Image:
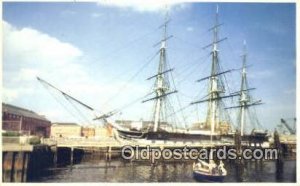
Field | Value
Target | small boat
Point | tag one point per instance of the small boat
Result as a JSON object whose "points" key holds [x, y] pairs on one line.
{"points": [[203, 171]]}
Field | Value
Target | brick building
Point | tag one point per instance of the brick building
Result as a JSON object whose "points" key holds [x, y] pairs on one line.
{"points": [[24, 121]]}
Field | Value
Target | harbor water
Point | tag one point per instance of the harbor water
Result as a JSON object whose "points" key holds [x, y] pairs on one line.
{"points": [[94, 169]]}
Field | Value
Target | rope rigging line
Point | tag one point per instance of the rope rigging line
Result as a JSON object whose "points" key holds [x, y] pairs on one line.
{"points": [[183, 108], [169, 107], [220, 69], [133, 102], [197, 112], [251, 120], [132, 77], [164, 111], [57, 100], [185, 67], [198, 94], [179, 102], [71, 100], [78, 111], [193, 68], [225, 83], [227, 116], [185, 95], [190, 43], [254, 113], [233, 52], [119, 110], [126, 45], [192, 113]]}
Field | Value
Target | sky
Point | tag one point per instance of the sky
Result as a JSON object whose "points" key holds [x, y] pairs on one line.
{"points": [[102, 53]]}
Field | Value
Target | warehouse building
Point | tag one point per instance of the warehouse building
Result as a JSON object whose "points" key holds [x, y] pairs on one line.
{"points": [[24, 121], [74, 130], [65, 130]]}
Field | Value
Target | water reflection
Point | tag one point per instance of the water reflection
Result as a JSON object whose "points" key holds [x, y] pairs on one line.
{"points": [[239, 168], [279, 170], [95, 169]]}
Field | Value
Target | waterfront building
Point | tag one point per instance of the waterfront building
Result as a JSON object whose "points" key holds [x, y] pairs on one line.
{"points": [[65, 130], [88, 132], [103, 131], [137, 125], [24, 121]]}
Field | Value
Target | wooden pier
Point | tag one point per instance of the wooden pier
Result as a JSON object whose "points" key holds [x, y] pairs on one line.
{"points": [[22, 161]]}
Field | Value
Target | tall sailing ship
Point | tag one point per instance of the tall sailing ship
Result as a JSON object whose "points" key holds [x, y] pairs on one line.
{"points": [[216, 127], [162, 90]]}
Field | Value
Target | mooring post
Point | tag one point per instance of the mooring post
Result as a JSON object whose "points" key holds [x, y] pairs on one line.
{"points": [[277, 145], [26, 157], [109, 153], [18, 166], [99, 152], [72, 154], [4, 169], [240, 170], [55, 158], [13, 166], [237, 142], [106, 154]]}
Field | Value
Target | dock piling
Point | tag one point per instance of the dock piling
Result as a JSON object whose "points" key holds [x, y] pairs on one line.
{"points": [[55, 156], [72, 156]]}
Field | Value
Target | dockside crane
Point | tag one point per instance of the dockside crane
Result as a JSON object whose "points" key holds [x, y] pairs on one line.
{"points": [[287, 126]]}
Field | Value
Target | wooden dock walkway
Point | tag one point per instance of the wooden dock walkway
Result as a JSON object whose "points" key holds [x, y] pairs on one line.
{"points": [[117, 144]]}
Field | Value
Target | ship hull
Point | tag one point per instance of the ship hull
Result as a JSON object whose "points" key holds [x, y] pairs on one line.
{"points": [[199, 176], [256, 137], [180, 136], [173, 136]]}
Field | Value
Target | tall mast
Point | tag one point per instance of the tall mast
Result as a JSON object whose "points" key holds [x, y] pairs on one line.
{"points": [[245, 101], [214, 92], [216, 88], [244, 93], [161, 87]]}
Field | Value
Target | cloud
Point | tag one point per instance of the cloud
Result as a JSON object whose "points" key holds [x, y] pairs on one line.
{"points": [[95, 15], [36, 48], [190, 29], [28, 53], [9, 95], [145, 5]]}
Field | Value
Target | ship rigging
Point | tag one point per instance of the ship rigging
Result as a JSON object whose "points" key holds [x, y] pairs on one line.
{"points": [[217, 117]]}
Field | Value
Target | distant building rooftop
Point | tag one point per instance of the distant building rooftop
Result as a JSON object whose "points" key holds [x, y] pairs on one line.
{"points": [[21, 112], [65, 124]]}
